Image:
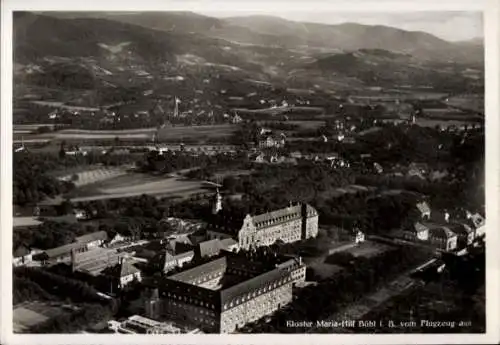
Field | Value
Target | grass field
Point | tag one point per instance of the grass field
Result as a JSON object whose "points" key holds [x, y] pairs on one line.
{"points": [[326, 270], [29, 314], [167, 133], [136, 184], [368, 249]]}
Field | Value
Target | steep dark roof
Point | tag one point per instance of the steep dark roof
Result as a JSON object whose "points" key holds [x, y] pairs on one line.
{"points": [[63, 250], [99, 235], [441, 231], [175, 248], [418, 227], [252, 284], [460, 228], [230, 296], [423, 207], [193, 273], [477, 220], [119, 270], [227, 242], [21, 251], [209, 248]]}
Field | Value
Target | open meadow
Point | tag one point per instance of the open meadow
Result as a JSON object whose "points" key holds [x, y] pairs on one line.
{"points": [[27, 315], [368, 249], [175, 132], [135, 184]]}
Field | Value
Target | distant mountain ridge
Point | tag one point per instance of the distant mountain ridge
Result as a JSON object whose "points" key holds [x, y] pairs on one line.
{"points": [[275, 31], [152, 48]]}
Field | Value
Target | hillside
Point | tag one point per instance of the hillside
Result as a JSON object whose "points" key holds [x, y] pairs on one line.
{"points": [[386, 68], [275, 31], [65, 52], [352, 36]]}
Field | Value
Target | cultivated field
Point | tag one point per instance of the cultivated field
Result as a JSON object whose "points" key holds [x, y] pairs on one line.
{"points": [[29, 314], [61, 105], [313, 124], [473, 102], [445, 123], [90, 175], [136, 184]]}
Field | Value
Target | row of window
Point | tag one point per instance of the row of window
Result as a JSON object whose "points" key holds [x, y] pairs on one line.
{"points": [[278, 220], [194, 309], [259, 292], [208, 277], [190, 300]]}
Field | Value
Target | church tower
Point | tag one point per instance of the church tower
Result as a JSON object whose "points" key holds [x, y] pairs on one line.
{"points": [[217, 204]]}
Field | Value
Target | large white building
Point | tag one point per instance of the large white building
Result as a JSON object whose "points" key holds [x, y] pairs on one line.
{"points": [[289, 224]]}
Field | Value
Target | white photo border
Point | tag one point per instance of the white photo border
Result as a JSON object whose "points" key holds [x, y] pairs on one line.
{"points": [[491, 10]]}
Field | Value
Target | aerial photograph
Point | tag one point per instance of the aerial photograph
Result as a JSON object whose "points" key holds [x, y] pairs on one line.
{"points": [[244, 173]]}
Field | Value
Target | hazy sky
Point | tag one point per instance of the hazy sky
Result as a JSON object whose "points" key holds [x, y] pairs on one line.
{"points": [[452, 26]]}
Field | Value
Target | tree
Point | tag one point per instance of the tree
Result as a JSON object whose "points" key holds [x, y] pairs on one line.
{"points": [[66, 207], [62, 151]]}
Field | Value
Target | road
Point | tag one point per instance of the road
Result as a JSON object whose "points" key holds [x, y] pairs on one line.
{"points": [[398, 241]]}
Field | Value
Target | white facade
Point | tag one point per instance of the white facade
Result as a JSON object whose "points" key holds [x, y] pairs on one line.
{"points": [[130, 278]]}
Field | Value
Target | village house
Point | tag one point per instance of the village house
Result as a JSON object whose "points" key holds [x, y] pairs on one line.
{"points": [[172, 261], [22, 255], [116, 239], [121, 274], [208, 248], [442, 237], [358, 236], [95, 239], [236, 119], [269, 141], [80, 214], [416, 232], [478, 222], [378, 168], [422, 168], [464, 233], [260, 158], [229, 244], [63, 253], [59, 254], [424, 210]]}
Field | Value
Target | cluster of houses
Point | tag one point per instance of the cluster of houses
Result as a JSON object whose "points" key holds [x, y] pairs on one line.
{"points": [[272, 141], [181, 250], [89, 254], [27, 256], [444, 232]]}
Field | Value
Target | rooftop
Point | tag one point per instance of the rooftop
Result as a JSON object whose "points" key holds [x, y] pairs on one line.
{"points": [[122, 269], [25, 221], [95, 236], [440, 230], [209, 248], [254, 277], [21, 251], [63, 250]]}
